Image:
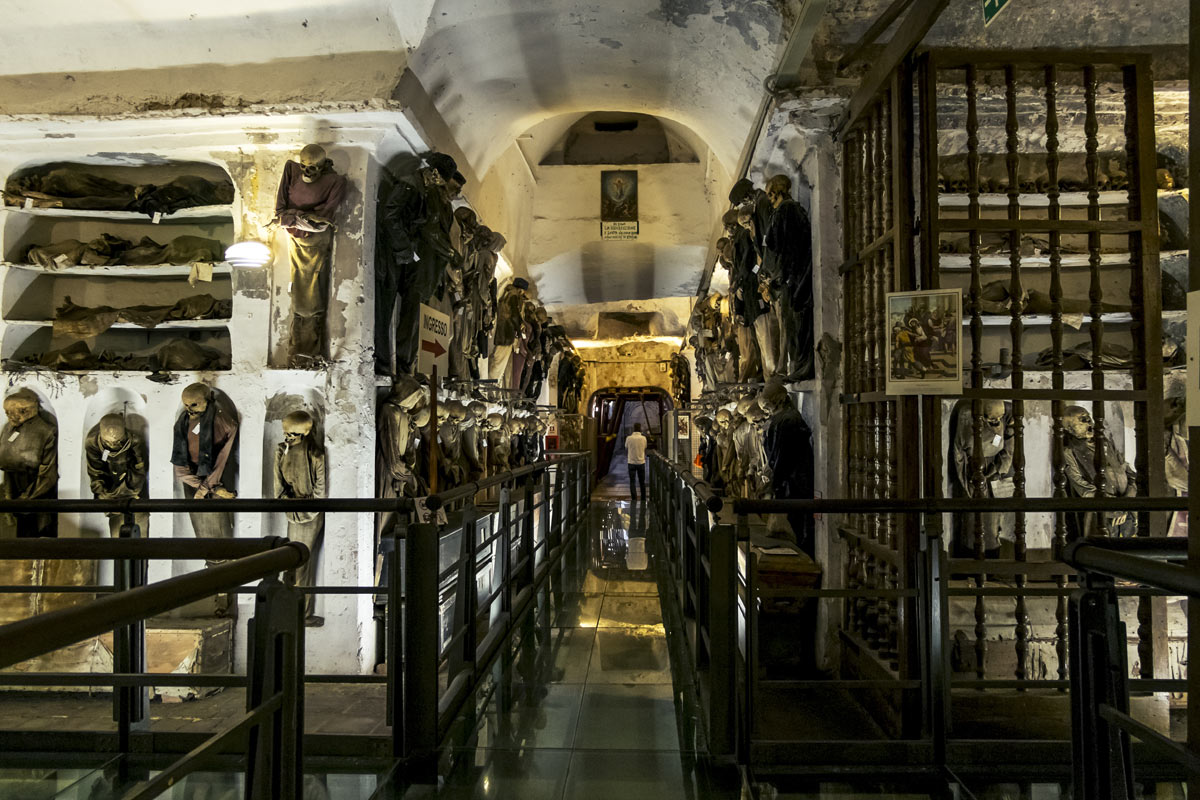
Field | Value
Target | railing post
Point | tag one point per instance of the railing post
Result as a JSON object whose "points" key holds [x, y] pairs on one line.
{"points": [[1101, 759], [723, 632], [394, 620], [129, 647], [505, 539], [466, 600], [422, 621], [275, 664], [935, 631]]}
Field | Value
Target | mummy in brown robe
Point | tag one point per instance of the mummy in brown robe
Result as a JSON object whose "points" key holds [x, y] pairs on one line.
{"points": [[29, 459], [116, 465], [309, 194], [300, 475]]}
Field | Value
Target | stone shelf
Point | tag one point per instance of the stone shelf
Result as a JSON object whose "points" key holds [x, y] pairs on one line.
{"points": [[1038, 320], [121, 270], [198, 324], [221, 213]]}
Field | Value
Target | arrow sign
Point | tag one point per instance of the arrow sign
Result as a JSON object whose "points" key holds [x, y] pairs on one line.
{"points": [[435, 341]]}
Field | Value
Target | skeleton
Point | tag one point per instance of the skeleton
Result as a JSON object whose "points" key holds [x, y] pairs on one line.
{"points": [[300, 474], [787, 442], [116, 465], [29, 459], [1120, 480], [309, 195], [205, 435], [509, 322], [996, 469], [451, 462], [726, 457], [787, 266], [499, 443], [471, 426]]}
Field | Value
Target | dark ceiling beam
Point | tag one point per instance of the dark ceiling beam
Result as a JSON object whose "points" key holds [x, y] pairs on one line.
{"points": [[921, 16], [890, 15]]}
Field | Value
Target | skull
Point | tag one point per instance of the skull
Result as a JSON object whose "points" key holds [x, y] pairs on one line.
{"points": [[493, 422], [704, 423], [478, 410], [296, 426], [458, 411], [312, 162], [408, 392], [993, 416], [773, 397], [113, 434], [1078, 423], [724, 419], [443, 413], [420, 417], [21, 406], [195, 399]]}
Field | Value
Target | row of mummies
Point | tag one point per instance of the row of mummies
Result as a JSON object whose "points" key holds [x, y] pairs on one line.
{"points": [[428, 252], [764, 327]]}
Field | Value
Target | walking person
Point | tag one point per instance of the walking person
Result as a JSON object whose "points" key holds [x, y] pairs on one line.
{"points": [[635, 451]]}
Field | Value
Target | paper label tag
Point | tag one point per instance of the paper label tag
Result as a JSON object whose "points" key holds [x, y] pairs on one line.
{"points": [[28, 202], [62, 260], [1074, 320], [12, 437], [104, 456], [424, 515], [157, 218], [997, 440], [755, 270], [196, 430]]}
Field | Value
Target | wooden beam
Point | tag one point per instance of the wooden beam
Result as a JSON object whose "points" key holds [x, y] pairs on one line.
{"points": [[890, 14], [921, 17]]}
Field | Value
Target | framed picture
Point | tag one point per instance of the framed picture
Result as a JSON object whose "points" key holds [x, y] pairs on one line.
{"points": [[683, 426], [924, 348]]}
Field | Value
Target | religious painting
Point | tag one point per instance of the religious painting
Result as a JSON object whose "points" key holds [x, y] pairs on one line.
{"points": [[683, 426], [618, 204], [924, 349]]}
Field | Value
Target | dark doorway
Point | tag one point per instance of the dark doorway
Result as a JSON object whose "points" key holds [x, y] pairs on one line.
{"points": [[616, 410]]}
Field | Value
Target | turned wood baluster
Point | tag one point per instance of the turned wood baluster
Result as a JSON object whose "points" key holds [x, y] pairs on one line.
{"points": [[1142, 431], [1057, 407], [978, 485], [1016, 292], [1096, 291]]}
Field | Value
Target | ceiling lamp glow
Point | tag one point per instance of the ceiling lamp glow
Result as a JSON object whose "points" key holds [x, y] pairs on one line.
{"points": [[248, 255]]}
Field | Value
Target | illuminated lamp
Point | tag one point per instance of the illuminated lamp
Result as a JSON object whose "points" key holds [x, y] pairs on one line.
{"points": [[248, 255]]}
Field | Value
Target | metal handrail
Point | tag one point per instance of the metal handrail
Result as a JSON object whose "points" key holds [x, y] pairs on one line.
{"points": [[950, 505], [702, 489], [149, 548], [1124, 562], [40, 634]]}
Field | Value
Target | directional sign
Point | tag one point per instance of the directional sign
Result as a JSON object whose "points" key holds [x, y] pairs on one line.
{"points": [[991, 8], [435, 341]]}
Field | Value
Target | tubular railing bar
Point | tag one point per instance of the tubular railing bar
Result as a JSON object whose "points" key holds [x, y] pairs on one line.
{"points": [[210, 748], [161, 548], [1153, 740], [359, 505], [950, 505], [1091, 556], [160, 679], [43, 633], [436, 501]]}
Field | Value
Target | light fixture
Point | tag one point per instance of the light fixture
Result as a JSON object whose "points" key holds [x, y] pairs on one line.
{"points": [[248, 255]]}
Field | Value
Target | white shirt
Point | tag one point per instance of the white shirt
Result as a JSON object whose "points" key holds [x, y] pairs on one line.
{"points": [[635, 447]]}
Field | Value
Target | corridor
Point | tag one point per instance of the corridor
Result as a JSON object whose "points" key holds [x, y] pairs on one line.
{"points": [[590, 704]]}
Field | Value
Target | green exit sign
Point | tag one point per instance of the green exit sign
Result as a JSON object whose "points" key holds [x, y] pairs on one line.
{"points": [[992, 9]]}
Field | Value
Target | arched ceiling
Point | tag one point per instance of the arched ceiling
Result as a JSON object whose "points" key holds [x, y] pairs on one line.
{"points": [[497, 68]]}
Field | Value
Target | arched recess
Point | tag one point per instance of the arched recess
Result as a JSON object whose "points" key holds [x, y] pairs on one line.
{"points": [[130, 405], [616, 409], [298, 398]]}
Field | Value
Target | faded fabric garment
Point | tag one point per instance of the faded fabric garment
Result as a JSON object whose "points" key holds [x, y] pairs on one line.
{"points": [[300, 474], [320, 198], [85, 322], [29, 459], [117, 474]]}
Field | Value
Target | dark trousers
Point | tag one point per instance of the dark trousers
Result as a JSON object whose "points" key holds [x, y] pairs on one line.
{"points": [[637, 475]]}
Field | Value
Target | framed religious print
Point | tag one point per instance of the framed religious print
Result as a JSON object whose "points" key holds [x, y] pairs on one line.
{"points": [[924, 342]]}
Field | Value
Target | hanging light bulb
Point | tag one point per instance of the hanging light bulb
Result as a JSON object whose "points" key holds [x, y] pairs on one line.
{"points": [[248, 255]]}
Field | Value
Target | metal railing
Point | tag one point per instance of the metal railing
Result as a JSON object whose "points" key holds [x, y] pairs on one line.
{"points": [[719, 591], [484, 551], [276, 646], [1101, 723]]}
